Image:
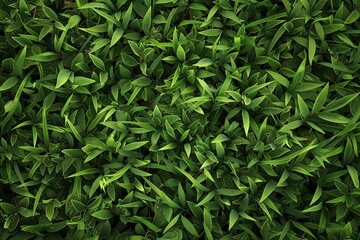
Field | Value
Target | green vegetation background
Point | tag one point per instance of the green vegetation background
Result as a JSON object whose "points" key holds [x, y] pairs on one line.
{"points": [[177, 119]]}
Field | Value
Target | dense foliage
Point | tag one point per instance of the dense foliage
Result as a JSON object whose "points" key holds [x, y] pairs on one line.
{"points": [[177, 119]]}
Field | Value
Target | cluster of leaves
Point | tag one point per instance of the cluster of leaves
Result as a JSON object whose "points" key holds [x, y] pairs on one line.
{"points": [[177, 119]]}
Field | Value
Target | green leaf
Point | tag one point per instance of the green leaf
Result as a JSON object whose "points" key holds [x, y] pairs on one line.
{"points": [[285, 230], [189, 226], [315, 208], [220, 138], [60, 26], [148, 224], [49, 211], [246, 121], [161, 194], [304, 87], [84, 172], [211, 14], [11, 222], [319, 30], [129, 60], [93, 154], [74, 20], [9, 83], [336, 67], [312, 49], [116, 36], [181, 194], [354, 175], [246, 216], [8, 208], [43, 57], [169, 129], [303, 108], [134, 145], [331, 28], [269, 188], [288, 158], [99, 43], [127, 16], [337, 200], [50, 13], [37, 197], [340, 103], [195, 182], [266, 19], [180, 53], [15, 103], [281, 30], [333, 117], [321, 99], [314, 126], [231, 15], [206, 199], [23, 6], [279, 78], [187, 148], [353, 17], [291, 126], [346, 40], [198, 6], [119, 174], [207, 223], [234, 216], [134, 95], [79, 206], [97, 62], [205, 86], [102, 214], [19, 63], [62, 77], [82, 81], [164, 1], [168, 147], [211, 32], [229, 192], [172, 223], [317, 195], [303, 228], [45, 31], [141, 82], [92, 5], [299, 74], [108, 17], [205, 62], [146, 25], [347, 230]]}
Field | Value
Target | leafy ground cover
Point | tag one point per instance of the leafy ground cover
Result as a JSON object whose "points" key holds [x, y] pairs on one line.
{"points": [[177, 119]]}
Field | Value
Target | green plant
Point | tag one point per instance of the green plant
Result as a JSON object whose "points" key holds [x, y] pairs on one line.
{"points": [[175, 119]]}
